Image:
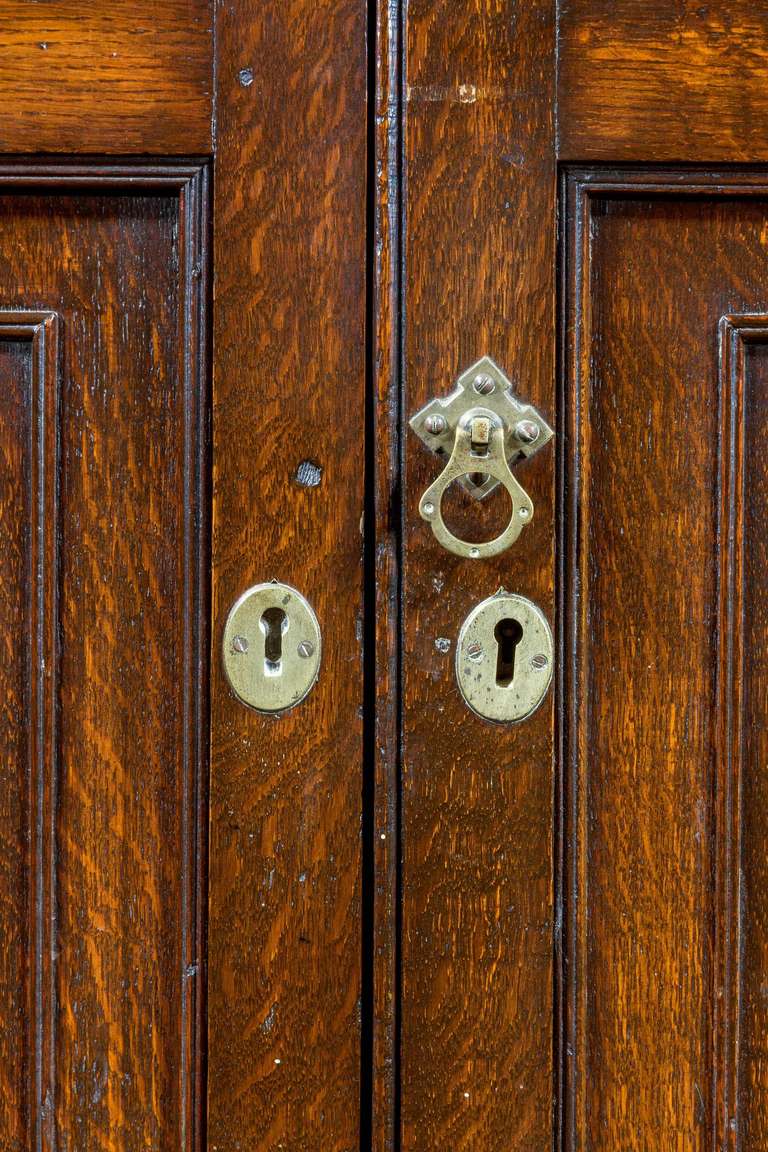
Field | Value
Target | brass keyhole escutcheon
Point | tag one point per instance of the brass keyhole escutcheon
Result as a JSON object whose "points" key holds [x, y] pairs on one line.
{"points": [[504, 658], [271, 648]]}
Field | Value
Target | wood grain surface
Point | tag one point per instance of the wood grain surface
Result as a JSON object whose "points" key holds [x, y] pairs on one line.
{"points": [[479, 277], [289, 387], [117, 268], [129, 77], [651, 273], [424, 931], [675, 80]]}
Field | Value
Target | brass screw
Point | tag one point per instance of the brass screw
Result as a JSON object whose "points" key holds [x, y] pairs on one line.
{"points": [[484, 384], [539, 661], [239, 644], [527, 431], [475, 650], [435, 425], [306, 648]]}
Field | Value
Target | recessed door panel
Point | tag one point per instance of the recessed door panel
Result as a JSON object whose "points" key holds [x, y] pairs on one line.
{"points": [[103, 461], [664, 581]]}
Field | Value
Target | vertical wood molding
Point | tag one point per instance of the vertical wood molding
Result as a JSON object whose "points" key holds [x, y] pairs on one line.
{"points": [[386, 430], [737, 332], [40, 331], [571, 1063], [195, 277]]}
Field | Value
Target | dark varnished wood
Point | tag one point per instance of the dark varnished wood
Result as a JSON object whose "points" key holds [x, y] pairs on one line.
{"points": [[479, 276], [116, 1006], [673, 80], [410, 948], [28, 515], [119, 78], [289, 386], [661, 595]]}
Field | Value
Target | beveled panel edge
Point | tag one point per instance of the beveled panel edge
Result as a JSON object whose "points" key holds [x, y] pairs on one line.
{"points": [[571, 705], [110, 171], [41, 329], [195, 277], [736, 331]]}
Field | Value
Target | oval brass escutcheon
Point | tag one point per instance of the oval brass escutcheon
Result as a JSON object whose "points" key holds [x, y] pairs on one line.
{"points": [[271, 647], [504, 658]]}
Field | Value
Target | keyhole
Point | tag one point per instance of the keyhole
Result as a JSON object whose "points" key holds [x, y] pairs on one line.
{"points": [[274, 623], [508, 635]]}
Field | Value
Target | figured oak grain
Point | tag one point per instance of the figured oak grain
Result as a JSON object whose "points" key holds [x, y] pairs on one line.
{"points": [[289, 386], [478, 277], [675, 80], [115, 265], [122, 78], [407, 948], [645, 798]]}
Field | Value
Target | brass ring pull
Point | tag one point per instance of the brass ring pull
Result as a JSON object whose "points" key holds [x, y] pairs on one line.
{"points": [[483, 429], [465, 461]]}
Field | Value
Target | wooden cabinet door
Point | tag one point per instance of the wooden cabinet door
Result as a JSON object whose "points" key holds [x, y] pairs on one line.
{"points": [[241, 245]]}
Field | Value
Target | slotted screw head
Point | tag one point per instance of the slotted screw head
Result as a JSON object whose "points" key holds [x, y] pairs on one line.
{"points": [[306, 649], [435, 424], [475, 650], [484, 384], [527, 431], [239, 644]]}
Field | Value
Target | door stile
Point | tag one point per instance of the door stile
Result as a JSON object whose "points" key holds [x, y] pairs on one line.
{"points": [[289, 375], [479, 278]]}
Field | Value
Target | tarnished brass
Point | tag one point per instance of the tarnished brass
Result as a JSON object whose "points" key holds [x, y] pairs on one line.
{"points": [[504, 658], [483, 430], [271, 648]]}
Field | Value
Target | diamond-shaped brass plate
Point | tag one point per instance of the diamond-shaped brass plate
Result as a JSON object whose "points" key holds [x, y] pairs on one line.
{"points": [[499, 401]]}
